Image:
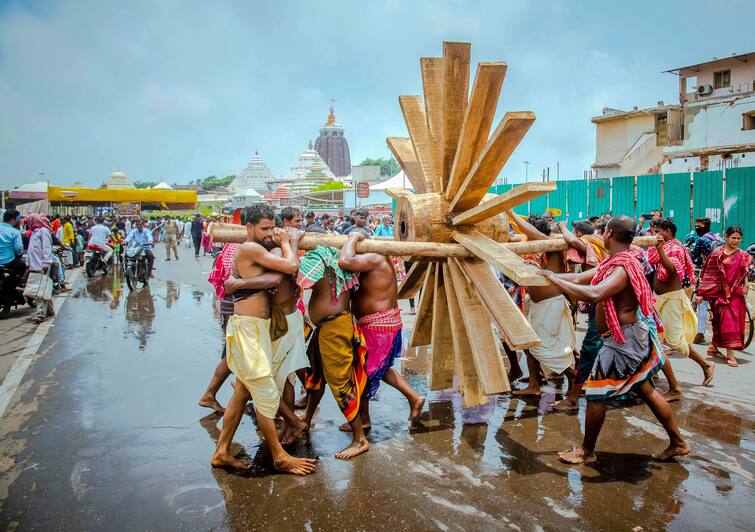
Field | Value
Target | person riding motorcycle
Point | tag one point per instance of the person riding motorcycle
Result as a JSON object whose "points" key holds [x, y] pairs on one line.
{"points": [[98, 239], [142, 236], [11, 243]]}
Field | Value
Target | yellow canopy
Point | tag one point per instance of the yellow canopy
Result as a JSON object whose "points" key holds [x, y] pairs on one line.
{"points": [[121, 195]]}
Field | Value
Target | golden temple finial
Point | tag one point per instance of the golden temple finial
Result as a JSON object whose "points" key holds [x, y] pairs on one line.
{"points": [[331, 121]]}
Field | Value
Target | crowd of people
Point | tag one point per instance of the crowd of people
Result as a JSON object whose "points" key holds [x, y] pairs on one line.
{"points": [[636, 301]]}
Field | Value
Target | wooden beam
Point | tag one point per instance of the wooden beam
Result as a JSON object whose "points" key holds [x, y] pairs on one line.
{"points": [[478, 119], [485, 345], [413, 280], [515, 328], [413, 108], [501, 258], [422, 334], [432, 87], [403, 151], [397, 193], [455, 92], [442, 362], [234, 233], [491, 160], [469, 382], [507, 200]]}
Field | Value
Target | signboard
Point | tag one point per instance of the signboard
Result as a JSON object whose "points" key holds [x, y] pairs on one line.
{"points": [[363, 190], [126, 209]]}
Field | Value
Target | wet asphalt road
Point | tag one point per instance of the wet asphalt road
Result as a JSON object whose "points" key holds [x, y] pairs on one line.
{"points": [[104, 433]]}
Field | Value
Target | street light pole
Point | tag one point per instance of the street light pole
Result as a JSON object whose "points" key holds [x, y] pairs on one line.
{"points": [[526, 173]]}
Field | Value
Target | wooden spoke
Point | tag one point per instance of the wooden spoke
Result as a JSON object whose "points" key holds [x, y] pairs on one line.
{"points": [[501, 258], [442, 362], [507, 200], [397, 193], [432, 86], [489, 163], [403, 151], [477, 122], [455, 92], [413, 281], [515, 328], [484, 344], [422, 334], [471, 390], [413, 108]]}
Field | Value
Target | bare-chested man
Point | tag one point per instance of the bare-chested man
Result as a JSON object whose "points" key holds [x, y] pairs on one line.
{"points": [[249, 348], [378, 317], [335, 356], [672, 263], [630, 354], [549, 315]]}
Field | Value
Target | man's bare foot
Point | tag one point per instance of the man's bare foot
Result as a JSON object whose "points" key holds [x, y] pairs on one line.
{"points": [[345, 427], [673, 395], [210, 402], [226, 460], [355, 448], [527, 392], [708, 374], [564, 405], [293, 433], [301, 403], [732, 362], [578, 456], [416, 408], [673, 450], [295, 466]]}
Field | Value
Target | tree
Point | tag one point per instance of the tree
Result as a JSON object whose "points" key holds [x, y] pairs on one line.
{"points": [[388, 167], [330, 185], [144, 184], [212, 182]]}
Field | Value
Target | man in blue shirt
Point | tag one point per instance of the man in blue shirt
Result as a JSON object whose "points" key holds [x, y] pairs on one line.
{"points": [[386, 228], [142, 236], [11, 245]]}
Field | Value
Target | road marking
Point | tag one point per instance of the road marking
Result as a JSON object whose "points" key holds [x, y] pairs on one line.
{"points": [[18, 370]]}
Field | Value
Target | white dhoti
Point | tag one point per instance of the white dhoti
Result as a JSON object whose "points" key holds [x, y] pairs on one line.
{"points": [[552, 321], [290, 351]]}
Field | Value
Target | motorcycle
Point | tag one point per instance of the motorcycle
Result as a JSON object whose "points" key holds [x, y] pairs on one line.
{"points": [[136, 266], [11, 291], [94, 259]]}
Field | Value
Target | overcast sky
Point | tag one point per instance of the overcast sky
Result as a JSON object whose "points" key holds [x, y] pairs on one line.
{"points": [[176, 90]]}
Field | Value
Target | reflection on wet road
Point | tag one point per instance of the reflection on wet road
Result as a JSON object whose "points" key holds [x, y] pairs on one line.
{"points": [[107, 434]]}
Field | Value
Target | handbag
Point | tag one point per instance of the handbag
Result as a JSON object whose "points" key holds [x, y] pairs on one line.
{"points": [[38, 286]]}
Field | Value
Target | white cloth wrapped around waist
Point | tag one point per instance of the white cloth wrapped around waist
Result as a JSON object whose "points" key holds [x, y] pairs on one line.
{"points": [[552, 321]]}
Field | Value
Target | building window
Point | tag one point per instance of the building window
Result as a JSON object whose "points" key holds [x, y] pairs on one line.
{"points": [[722, 79], [748, 121]]}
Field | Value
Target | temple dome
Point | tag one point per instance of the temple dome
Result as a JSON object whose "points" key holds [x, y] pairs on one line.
{"points": [[117, 180], [333, 147], [255, 175]]}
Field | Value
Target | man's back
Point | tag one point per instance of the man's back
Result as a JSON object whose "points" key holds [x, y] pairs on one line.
{"points": [[98, 235], [377, 290]]}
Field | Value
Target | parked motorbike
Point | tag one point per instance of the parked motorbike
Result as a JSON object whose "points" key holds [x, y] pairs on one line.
{"points": [[94, 260], [136, 266], [11, 291]]}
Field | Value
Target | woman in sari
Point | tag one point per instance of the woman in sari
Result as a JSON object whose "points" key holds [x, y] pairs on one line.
{"points": [[723, 284]]}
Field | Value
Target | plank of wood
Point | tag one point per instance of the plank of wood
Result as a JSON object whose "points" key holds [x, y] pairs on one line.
{"points": [[413, 281], [415, 117], [501, 258], [403, 151], [455, 92], [397, 193], [478, 119], [484, 344], [432, 87], [442, 362], [507, 200], [515, 328], [500, 146], [422, 334], [466, 371]]}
